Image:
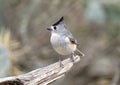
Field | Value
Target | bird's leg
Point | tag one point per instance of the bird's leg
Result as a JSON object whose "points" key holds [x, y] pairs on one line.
{"points": [[60, 61], [72, 57]]}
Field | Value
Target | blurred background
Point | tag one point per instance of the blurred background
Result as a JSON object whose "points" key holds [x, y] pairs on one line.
{"points": [[25, 45]]}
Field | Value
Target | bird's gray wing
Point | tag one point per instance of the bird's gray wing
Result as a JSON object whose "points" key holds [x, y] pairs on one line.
{"points": [[73, 40], [68, 34]]}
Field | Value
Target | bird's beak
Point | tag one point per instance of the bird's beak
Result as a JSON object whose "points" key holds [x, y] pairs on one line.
{"points": [[50, 29]]}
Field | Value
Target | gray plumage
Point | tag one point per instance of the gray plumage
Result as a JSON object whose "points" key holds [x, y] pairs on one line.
{"points": [[62, 40]]}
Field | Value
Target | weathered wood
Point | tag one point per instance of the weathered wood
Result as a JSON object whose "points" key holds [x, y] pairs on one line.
{"points": [[41, 76]]}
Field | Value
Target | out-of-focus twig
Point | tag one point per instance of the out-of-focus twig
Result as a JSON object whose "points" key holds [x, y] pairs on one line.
{"points": [[25, 16], [116, 77]]}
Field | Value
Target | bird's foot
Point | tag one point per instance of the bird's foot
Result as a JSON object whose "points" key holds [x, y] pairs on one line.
{"points": [[72, 58], [61, 64]]}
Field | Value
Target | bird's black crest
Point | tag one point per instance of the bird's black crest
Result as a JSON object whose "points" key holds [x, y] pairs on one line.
{"points": [[59, 21]]}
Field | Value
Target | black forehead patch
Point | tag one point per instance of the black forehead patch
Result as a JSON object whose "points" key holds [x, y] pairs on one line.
{"points": [[59, 21]]}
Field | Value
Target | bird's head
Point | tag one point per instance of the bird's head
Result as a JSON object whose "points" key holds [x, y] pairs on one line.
{"points": [[57, 27]]}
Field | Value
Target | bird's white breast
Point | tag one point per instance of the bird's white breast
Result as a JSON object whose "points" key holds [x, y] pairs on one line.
{"points": [[62, 44]]}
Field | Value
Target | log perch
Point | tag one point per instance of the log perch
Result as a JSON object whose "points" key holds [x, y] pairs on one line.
{"points": [[41, 76]]}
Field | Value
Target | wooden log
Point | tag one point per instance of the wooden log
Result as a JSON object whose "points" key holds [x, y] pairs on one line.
{"points": [[41, 76]]}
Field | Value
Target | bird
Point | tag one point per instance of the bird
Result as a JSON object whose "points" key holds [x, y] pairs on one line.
{"points": [[63, 41]]}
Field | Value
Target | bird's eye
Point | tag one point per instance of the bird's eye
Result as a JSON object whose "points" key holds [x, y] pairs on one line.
{"points": [[55, 27]]}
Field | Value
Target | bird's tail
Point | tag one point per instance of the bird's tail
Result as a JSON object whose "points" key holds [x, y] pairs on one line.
{"points": [[81, 53]]}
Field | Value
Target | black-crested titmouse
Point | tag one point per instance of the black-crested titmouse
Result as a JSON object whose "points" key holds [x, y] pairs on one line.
{"points": [[62, 40]]}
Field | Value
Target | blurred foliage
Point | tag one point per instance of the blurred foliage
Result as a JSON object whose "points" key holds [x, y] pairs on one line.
{"points": [[24, 40], [6, 53], [5, 62]]}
